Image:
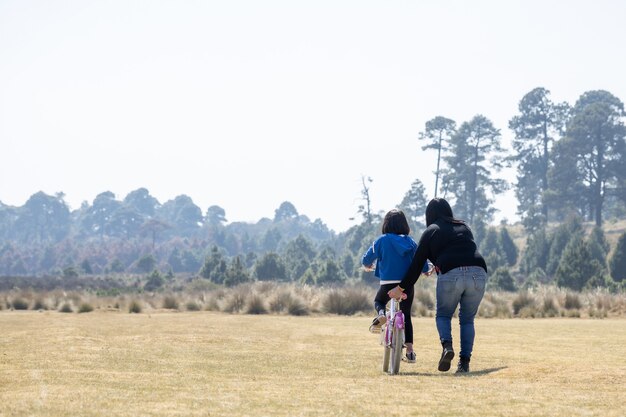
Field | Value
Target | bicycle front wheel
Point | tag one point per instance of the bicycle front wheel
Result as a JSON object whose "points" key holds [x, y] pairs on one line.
{"points": [[386, 352], [397, 344]]}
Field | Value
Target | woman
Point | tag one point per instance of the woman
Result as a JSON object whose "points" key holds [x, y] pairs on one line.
{"points": [[462, 272]]}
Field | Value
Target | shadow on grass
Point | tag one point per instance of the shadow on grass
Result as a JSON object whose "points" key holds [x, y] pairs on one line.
{"points": [[472, 373]]}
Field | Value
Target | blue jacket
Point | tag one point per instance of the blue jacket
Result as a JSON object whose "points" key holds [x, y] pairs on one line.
{"points": [[393, 255]]}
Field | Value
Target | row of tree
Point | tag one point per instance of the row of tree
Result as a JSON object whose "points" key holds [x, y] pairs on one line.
{"points": [[46, 219], [565, 255], [44, 237], [569, 257], [569, 159]]}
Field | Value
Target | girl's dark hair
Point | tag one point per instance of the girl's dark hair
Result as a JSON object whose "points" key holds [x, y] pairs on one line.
{"points": [[395, 222], [439, 208]]}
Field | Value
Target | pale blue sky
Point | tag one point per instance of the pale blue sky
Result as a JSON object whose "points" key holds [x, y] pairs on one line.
{"points": [[246, 104]]}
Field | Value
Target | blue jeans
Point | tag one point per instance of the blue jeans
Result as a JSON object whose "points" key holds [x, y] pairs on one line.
{"points": [[463, 287]]}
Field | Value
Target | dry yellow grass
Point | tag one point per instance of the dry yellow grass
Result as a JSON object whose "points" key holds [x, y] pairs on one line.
{"points": [[214, 364]]}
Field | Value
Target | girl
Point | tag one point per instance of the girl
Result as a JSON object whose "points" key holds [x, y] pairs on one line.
{"points": [[393, 252]]}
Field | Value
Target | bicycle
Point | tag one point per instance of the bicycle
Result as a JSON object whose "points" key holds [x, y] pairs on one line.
{"points": [[392, 333], [392, 338]]}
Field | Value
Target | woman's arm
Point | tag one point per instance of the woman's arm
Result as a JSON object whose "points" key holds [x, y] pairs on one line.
{"points": [[417, 265], [415, 270]]}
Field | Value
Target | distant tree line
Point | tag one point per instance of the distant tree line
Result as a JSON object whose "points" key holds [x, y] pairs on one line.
{"points": [[136, 234], [570, 169]]}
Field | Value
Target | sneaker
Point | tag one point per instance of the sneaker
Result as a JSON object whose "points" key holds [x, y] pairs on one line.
{"points": [[446, 357], [410, 357], [377, 323], [463, 366]]}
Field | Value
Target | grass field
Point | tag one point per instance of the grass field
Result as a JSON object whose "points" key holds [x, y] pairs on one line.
{"points": [[214, 364]]}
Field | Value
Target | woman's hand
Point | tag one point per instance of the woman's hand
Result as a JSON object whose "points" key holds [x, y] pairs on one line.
{"points": [[396, 293]]}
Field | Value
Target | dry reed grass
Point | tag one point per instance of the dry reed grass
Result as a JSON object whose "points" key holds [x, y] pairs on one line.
{"points": [[293, 299]]}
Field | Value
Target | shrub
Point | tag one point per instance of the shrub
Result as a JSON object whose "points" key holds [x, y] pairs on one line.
{"points": [[598, 314], [255, 304], [494, 306], [134, 307], [420, 310], [40, 305], [603, 302], [280, 301], [212, 304], [334, 302], [311, 296], [549, 308], [523, 299], [192, 306], [265, 287], [297, 307], [502, 310], [85, 308], [345, 301], [235, 301], [528, 311], [425, 298], [572, 301], [66, 308], [170, 302], [19, 304]]}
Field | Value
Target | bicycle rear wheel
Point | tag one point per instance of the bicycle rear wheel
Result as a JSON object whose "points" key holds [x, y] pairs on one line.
{"points": [[397, 344]]}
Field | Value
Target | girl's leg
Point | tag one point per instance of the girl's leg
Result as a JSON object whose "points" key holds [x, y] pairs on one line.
{"points": [[381, 299]]}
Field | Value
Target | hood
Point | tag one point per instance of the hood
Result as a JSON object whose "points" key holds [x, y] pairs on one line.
{"points": [[402, 244]]}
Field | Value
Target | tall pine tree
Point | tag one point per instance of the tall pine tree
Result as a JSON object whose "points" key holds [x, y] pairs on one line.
{"points": [[437, 134], [475, 155], [596, 147], [617, 262], [539, 123]]}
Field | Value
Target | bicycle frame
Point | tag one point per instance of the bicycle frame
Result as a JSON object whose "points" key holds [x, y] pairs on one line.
{"points": [[395, 318], [393, 338]]}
